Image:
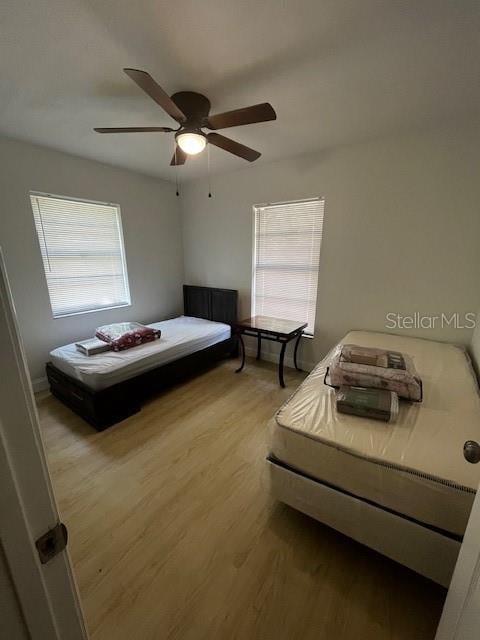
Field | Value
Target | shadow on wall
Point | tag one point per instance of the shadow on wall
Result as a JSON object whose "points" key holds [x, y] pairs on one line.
{"points": [[475, 348]]}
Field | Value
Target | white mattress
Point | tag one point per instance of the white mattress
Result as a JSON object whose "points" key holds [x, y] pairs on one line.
{"points": [[180, 337], [414, 467]]}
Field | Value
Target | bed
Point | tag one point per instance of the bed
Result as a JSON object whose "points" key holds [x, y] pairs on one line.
{"points": [[109, 387], [402, 489]]}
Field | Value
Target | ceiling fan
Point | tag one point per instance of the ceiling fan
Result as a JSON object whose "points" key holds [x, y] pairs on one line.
{"points": [[191, 111]]}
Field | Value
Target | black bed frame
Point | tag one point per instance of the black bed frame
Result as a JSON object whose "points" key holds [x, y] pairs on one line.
{"points": [[108, 406]]}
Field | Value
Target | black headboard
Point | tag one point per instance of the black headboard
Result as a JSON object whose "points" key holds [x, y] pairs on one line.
{"points": [[219, 305]]}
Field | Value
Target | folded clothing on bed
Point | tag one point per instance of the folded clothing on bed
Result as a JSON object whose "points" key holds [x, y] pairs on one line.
{"points": [[125, 335], [369, 367]]}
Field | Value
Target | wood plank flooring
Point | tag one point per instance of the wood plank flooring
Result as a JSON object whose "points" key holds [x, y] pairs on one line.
{"points": [[174, 536]]}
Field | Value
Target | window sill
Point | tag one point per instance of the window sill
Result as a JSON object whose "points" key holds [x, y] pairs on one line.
{"points": [[81, 313]]}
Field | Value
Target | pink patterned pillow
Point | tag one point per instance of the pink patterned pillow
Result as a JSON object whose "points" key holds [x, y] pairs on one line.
{"points": [[125, 335]]}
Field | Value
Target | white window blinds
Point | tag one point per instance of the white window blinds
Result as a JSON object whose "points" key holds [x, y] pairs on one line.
{"points": [[83, 256], [288, 237]]}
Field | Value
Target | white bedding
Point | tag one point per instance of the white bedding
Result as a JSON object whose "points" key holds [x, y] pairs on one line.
{"points": [[180, 337]]}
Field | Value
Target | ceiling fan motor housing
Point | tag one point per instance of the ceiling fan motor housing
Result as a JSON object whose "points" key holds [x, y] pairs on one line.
{"points": [[195, 106]]}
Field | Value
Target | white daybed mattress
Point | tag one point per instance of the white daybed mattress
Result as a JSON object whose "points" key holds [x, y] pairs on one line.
{"points": [[414, 467], [180, 337]]}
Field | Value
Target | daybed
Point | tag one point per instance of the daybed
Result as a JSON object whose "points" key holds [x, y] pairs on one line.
{"points": [[108, 387], [403, 489]]}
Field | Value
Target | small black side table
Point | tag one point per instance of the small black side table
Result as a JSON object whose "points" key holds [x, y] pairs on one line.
{"points": [[275, 330]]}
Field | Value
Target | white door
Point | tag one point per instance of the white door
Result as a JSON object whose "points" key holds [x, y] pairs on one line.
{"points": [[46, 593], [461, 614]]}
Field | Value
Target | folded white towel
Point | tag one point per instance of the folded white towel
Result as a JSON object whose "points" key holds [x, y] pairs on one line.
{"points": [[91, 346]]}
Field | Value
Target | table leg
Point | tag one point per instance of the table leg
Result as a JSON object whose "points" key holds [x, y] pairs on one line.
{"points": [[280, 364], [295, 352], [259, 346], [242, 347]]}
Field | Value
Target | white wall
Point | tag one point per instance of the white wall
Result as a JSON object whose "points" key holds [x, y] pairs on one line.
{"points": [[152, 233], [475, 347], [401, 230], [401, 233]]}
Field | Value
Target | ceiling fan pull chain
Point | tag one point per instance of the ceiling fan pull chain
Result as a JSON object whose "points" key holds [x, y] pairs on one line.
{"points": [[208, 171]]}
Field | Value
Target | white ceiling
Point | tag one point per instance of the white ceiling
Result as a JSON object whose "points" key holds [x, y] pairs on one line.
{"points": [[336, 71]]}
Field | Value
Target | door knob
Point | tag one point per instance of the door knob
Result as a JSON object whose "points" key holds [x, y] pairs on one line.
{"points": [[471, 451]]}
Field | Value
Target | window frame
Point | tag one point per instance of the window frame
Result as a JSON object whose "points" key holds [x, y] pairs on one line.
{"points": [[123, 256], [254, 247]]}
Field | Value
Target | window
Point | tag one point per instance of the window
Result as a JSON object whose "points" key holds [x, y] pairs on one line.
{"points": [[288, 236], [83, 256]]}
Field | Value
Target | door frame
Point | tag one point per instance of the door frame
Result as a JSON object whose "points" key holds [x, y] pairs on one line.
{"points": [[47, 593], [462, 595]]}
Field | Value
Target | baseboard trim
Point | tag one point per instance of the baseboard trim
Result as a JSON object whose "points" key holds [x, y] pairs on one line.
{"points": [[40, 384], [272, 357]]}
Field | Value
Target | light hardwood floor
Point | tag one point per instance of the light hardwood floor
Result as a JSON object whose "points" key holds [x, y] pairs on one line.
{"points": [[174, 536]]}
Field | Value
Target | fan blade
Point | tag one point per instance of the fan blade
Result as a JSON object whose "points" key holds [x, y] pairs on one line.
{"points": [[132, 129], [248, 115], [227, 144], [178, 157], [155, 91]]}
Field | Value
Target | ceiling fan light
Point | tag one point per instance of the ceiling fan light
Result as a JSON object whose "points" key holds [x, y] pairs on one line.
{"points": [[191, 143]]}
